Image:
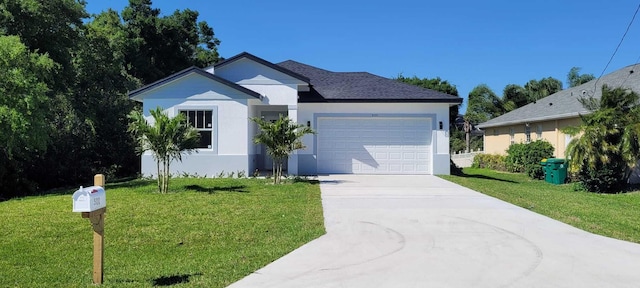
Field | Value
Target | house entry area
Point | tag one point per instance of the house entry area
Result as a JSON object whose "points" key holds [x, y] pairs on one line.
{"points": [[266, 160], [374, 145]]}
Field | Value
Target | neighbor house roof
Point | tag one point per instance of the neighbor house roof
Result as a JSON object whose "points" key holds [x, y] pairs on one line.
{"points": [[565, 104], [186, 72], [329, 86], [263, 62]]}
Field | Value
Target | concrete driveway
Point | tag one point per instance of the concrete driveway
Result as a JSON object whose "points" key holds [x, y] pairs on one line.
{"points": [[422, 231]]}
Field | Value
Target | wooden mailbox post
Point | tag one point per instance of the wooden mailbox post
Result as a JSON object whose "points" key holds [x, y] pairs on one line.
{"points": [[96, 216]]}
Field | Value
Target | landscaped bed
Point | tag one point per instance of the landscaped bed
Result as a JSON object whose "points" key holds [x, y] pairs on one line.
{"points": [[613, 215], [204, 233]]}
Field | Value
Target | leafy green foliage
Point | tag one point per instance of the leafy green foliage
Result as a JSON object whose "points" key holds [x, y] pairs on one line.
{"points": [[490, 161], [95, 62], [538, 89], [158, 46], [24, 104], [574, 78], [483, 105], [168, 138], [212, 231], [526, 157], [280, 138], [607, 148], [24, 107]]}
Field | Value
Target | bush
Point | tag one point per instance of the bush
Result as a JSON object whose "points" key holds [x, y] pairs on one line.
{"points": [[607, 178], [489, 161], [535, 171], [526, 157]]}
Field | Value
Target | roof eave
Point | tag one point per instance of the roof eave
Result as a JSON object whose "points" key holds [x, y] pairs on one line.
{"points": [[537, 119], [447, 101]]}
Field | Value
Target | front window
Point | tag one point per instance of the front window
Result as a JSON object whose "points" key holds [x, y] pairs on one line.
{"points": [[203, 121], [539, 132], [512, 137], [527, 133]]}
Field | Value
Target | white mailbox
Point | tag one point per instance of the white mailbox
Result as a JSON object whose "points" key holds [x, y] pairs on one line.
{"points": [[89, 199]]}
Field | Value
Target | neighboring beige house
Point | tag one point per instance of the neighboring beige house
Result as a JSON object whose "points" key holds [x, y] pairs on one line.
{"points": [[545, 118]]}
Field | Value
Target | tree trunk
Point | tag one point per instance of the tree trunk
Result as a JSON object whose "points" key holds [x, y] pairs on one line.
{"points": [[159, 175], [166, 175]]}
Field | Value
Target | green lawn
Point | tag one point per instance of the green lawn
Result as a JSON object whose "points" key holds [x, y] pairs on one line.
{"points": [[205, 233], [613, 215]]}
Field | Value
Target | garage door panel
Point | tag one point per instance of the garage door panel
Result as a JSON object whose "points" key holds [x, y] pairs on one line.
{"points": [[374, 145]]}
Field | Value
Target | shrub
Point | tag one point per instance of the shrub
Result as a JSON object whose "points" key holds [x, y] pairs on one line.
{"points": [[609, 177], [526, 157], [489, 161], [535, 171]]}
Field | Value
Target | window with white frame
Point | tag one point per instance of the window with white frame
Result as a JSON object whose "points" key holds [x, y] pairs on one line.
{"points": [[527, 133], [512, 137], [203, 121], [539, 132]]}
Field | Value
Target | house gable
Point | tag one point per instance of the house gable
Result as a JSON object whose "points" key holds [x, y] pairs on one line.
{"points": [[277, 85], [193, 83]]}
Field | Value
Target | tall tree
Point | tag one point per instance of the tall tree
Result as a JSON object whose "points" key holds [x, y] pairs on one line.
{"points": [[515, 95], [538, 89], [49, 27], [608, 146], [168, 138], [483, 105], [23, 109], [162, 45], [574, 78]]}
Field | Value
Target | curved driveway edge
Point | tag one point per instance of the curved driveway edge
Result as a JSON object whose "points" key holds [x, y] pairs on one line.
{"points": [[423, 231]]}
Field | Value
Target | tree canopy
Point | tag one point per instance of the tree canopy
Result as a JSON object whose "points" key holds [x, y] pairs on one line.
{"points": [[78, 70], [574, 78]]}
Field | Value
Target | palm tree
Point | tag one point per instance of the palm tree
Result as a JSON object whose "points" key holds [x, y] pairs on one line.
{"points": [[281, 138], [608, 147], [166, 137]]}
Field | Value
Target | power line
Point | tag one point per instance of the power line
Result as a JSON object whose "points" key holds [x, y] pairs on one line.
{"points": [[595, 86]]}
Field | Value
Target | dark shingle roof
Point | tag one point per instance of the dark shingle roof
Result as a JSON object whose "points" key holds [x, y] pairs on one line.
{"points": [[564, 104], [198, 71], [263, 62], [328, 86]]}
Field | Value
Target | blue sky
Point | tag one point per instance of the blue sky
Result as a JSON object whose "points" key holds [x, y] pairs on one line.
{"points": [[464, 42]]}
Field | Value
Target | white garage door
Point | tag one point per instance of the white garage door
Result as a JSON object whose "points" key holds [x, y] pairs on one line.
{"points": [[374, 145]]}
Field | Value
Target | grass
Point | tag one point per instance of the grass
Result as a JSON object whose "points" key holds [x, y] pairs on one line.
{"points": [[612, 215], [205, 233]]}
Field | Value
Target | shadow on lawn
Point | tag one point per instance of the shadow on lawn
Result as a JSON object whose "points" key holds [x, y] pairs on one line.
{"points": [[486, 177], [214, 189], [173, 279]]}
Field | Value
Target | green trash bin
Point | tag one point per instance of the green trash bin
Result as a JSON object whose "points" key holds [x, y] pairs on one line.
{"points": [[556, 171], [545, 167]]}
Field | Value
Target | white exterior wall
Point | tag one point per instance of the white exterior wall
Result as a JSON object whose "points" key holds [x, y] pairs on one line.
{"points": [[276, 87], [440, 137], [232, 150]]}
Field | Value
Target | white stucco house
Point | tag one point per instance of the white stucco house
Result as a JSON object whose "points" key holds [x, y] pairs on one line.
{"points": [[365, 124]]}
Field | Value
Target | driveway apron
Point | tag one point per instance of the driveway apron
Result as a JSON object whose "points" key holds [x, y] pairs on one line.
{"points": [[422, 231]]}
